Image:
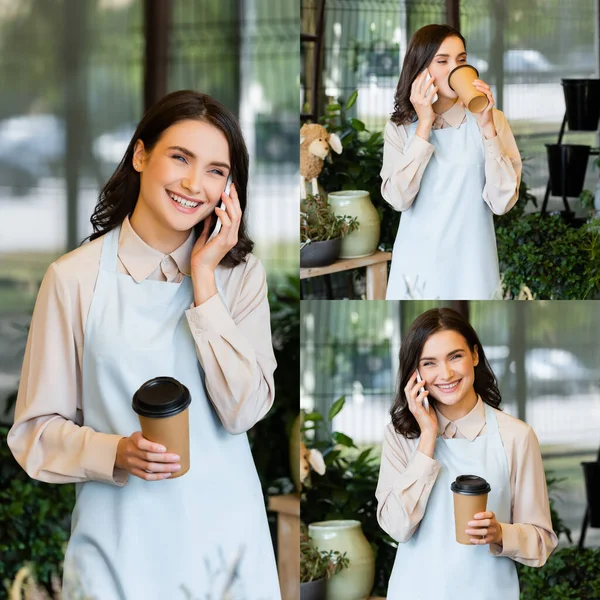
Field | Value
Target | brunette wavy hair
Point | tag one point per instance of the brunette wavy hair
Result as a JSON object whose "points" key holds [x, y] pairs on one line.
{"points": [[119, 196], [422, 47], [411, 349]]}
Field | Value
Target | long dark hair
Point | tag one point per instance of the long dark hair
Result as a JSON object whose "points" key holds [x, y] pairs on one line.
{"points": [[422, 47], [119, 196], [430, 322]]}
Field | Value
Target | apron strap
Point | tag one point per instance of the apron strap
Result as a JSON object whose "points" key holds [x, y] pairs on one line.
{"points": [[490, 419], [110, 248]]}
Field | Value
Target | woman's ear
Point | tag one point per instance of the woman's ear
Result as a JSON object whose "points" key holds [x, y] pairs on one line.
{"points": [[139, 156], [475, 356]]}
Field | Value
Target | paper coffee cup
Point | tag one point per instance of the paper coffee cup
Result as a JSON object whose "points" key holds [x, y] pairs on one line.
{"points": [[461, 81], [162, 407], [470, 497]]}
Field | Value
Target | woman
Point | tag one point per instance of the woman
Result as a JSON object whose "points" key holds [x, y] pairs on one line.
{"points": [[462, 433], [153, 295], [448, 171]]}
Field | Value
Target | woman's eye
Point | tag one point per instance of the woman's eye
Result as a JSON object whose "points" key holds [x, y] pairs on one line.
{"points": [[441, 62], [179, 156], [427, 364], [218, 172], [457, 356]]}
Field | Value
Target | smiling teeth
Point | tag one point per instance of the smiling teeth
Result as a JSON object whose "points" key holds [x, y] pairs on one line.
{"points": [[183, 202], [449, 386]]}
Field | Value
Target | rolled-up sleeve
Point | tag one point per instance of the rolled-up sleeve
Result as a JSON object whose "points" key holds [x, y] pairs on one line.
{"points": [[46, 438], [529, 538], [405, 483], [403, 166], [236, 351], [503, 167]]}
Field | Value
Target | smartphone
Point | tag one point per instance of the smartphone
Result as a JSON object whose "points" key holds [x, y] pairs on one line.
{"points": [[425, 401], [435, 96], [222, 205]]}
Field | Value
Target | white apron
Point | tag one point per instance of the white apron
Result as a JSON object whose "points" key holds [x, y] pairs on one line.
{"points": [[445, 247], [432, 565], [151, 540]]}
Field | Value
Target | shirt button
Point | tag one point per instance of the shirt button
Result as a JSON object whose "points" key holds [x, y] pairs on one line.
{"points": [[194, 318]]}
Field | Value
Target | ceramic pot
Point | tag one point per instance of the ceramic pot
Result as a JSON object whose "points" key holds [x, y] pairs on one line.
{"points": [[320, 254], [357, 203], [355, 582], [313, 590]]}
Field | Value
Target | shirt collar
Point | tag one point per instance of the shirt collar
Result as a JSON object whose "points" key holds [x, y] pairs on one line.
{"points": [[141, 260], [455, 115], [470, 425]]}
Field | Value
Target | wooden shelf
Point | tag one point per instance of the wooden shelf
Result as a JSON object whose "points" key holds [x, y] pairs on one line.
{"points": [[376, 265]]}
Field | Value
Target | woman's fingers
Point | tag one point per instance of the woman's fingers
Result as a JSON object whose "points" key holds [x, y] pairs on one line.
{"points": [[149, 476], [144, 444]]}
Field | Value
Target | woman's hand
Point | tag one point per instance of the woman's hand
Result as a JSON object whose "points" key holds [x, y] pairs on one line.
{"points": [[145, 459], [421, 96], [207, 255], [485, 118], [427, 421], [485, 528]]}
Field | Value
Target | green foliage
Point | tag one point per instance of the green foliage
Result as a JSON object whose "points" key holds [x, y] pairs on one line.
{"points": [[555, 260], [558, 525], [570, 574], [359, 164], [318, 223], [34, 521], [316, 564], [270, 437]]}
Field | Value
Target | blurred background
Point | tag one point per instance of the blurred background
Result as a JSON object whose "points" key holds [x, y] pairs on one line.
{"points": [[77, 75], [545, 355]]}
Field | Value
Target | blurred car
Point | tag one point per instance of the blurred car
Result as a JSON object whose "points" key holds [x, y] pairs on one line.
{"points": [[548, 371], [31, 147]]}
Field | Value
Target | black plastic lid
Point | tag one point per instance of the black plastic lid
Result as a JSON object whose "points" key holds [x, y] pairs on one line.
{"points": [[161, 397], [461, 67], [470, 485]]}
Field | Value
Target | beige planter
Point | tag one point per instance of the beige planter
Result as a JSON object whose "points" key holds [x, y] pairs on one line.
{"points": [[355, 582], [357, 203]]}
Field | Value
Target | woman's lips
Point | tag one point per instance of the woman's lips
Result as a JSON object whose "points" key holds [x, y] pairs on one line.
{"points": [[180, 207], [448, 388]]}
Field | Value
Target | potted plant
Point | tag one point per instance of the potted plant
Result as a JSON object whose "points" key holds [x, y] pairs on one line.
{"points": [[321, 232], [316, 567]]}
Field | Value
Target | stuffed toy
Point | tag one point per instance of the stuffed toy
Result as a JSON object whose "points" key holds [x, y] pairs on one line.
{"points": [[315, 143]]}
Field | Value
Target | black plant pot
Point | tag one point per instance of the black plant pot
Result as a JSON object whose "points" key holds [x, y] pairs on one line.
{"points": [[567, 164], [582, 98], [313, 590], [591, 471], [320, 254]]}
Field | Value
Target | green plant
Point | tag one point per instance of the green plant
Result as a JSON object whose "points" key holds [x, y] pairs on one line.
{"points": [[317, 564], [347, 489], [558, 525], [359, 164], [318, 223], [269, 438], [587, 200], [554, 260], [570, 574], [34, 521]]}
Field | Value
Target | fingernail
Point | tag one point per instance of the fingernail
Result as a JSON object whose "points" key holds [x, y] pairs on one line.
{"points": [[161, 449], [167, 475], [177, 467]]}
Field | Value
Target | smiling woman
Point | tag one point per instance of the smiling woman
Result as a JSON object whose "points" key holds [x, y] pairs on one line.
{"points": [[153, 294], [428, 453]]}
